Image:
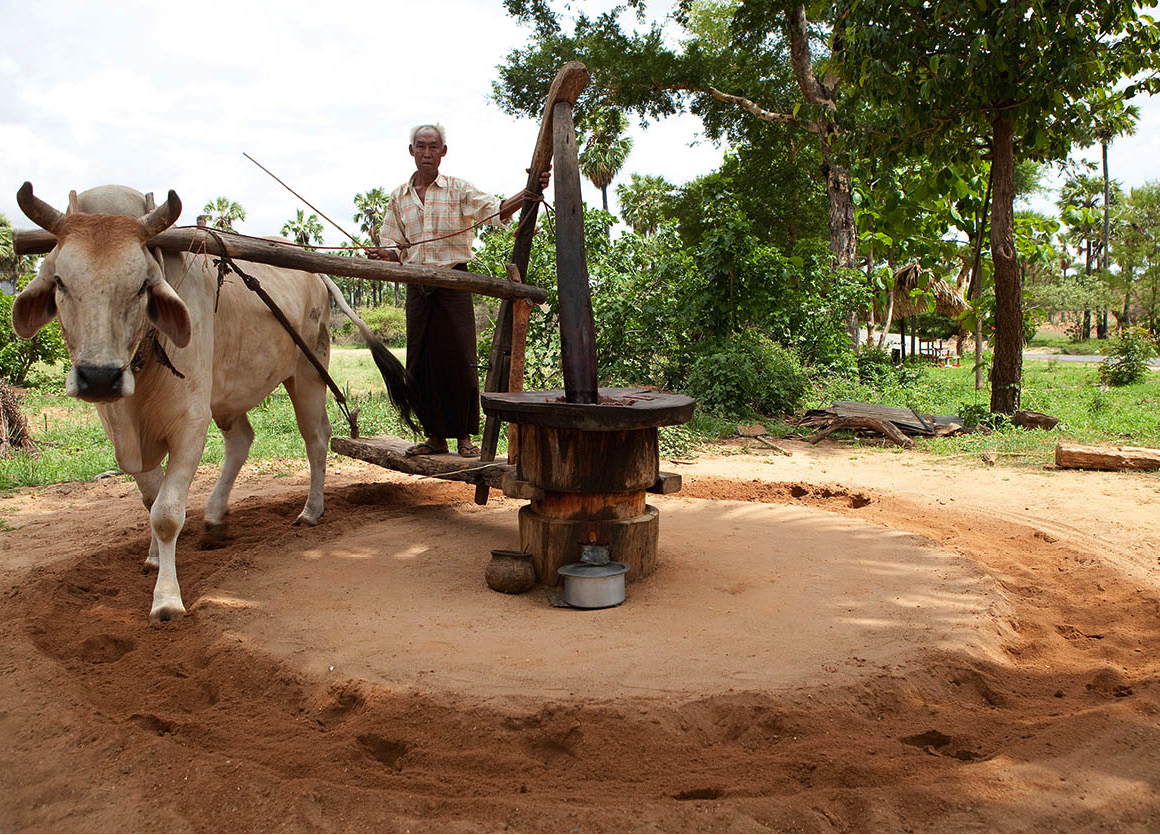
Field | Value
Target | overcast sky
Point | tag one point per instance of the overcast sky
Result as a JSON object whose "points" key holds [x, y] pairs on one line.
{"points": [[168, 95]]}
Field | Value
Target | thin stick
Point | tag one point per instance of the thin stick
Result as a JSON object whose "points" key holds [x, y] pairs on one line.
{"points": [[355, 240]]}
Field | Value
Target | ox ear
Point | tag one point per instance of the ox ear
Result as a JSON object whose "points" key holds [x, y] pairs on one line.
{"points": [[163, 216], [36, 305], [166, 310]]}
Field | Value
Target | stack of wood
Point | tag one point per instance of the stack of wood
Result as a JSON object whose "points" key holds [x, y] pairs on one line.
{"points": [[896, 424]]}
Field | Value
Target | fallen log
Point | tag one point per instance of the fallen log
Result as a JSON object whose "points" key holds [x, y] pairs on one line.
{"points": [[279, 254], [1077, 457], [882, 427]]}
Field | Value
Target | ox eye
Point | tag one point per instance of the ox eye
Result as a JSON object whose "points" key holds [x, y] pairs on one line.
{"points": [[59, 284], [144, 286]]}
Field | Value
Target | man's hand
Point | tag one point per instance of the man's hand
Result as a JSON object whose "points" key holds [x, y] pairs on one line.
{"points": [[507, 208], [382, 254]]}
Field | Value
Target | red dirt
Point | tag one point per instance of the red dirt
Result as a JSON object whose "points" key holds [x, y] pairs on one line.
{"points": [[824, 652]]}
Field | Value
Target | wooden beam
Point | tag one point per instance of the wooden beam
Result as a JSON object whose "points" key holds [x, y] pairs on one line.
{"points": [[390, 453], [278, 254], [577, 330], [567, 86]]}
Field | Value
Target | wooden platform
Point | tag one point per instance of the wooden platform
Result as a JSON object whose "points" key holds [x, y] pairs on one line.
{"points": [[390, 452]]}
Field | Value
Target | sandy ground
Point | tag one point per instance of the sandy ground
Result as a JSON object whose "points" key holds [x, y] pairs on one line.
{"points": [[836, 640]]}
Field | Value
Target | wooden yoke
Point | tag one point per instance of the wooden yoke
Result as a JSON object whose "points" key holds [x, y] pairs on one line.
{"points": [[278, 254], [569, 83]]}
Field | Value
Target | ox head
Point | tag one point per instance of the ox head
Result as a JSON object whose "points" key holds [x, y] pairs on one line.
{"points": [[105, 287]]}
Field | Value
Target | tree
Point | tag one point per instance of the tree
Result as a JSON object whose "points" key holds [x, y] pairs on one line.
{"points": [[1115, 121], [605, 148], [224, 213], [304, 229], [1138, 252], [370, 209], [644, 202], [1082, 209], [1016, 80]]}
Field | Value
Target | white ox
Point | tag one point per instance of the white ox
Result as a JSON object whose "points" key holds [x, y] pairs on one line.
{"points": [[109, 291]]}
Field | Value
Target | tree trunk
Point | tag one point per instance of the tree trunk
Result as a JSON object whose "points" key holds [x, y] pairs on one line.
{"points": [[604, 196], [1007, 366], [975, 285]]}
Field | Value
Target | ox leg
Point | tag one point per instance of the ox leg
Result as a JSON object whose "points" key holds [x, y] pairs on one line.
{"points": [[308, 394], [167, 517], [238, 435], [149, 483]]}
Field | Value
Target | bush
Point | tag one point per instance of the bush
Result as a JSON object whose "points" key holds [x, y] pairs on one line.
{"points": [[1129, 364], [875, 367], [388, 323], [18, 356], [748, 374]]}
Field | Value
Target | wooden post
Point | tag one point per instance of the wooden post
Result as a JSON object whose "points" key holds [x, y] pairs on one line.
{"points": [[569, 83], [577, 332], [520, 311]]}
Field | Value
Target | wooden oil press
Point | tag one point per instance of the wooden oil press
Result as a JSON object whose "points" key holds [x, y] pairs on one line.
{"points": [[586, 457]]}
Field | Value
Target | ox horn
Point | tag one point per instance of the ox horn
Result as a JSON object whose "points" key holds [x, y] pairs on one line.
{"points": [[163, 216], [39, 212], [72, 202]]}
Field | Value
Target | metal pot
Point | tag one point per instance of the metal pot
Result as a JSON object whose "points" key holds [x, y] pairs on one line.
{"points": [[588, 586]]}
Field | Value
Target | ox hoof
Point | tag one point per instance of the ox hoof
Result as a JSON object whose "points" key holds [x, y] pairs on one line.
{"points": [[215, 535], [308, 521], [166, 612]]}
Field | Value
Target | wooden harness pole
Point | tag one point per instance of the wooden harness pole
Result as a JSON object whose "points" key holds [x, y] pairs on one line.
{"points": [[279, 254], [569, 83]]}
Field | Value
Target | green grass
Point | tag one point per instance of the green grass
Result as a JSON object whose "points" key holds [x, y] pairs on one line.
{"points": [[74, 447], [1062, 343], [1089, 412]]}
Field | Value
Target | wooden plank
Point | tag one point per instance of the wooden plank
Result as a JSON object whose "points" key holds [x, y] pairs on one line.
{"points": [[1075, 456], [577, 330], [279, 254], [389, 452], [906, 419]]}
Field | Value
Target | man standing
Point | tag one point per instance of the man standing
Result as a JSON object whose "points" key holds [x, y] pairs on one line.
{"points": [[431, 220]]}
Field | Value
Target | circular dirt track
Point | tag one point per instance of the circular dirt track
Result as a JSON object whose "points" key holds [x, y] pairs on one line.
{"points": [[830, 642]]}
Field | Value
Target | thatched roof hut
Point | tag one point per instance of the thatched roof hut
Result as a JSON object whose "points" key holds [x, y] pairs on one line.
{"points": [[947, 299]]}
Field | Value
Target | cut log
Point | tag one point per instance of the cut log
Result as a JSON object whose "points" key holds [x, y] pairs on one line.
{"points": [[279, 254], [1076, 457]]}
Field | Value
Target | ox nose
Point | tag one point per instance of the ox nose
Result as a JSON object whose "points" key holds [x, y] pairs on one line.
{"points": [[98, 382]]}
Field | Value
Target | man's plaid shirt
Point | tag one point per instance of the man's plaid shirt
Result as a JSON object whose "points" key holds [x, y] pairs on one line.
{"points": [[452, 205]]}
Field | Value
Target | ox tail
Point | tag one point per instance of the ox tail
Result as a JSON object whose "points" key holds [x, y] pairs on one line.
{"points": [[399, 387]]}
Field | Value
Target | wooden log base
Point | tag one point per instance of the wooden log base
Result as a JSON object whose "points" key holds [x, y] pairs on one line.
{"points": [[577, 461], [554, 542]]}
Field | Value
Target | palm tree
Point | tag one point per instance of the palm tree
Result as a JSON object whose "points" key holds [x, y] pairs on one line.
{"points": [[1121, 122], [371, 208], [224, 213], [605, 149], [644, 202], [304, 230], [8, 260]]}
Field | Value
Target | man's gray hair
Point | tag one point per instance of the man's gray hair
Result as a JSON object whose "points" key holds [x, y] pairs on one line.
{"points": [[438, 128]]}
